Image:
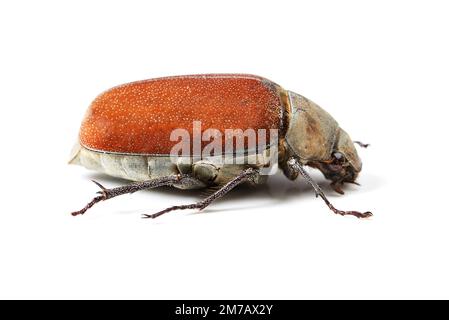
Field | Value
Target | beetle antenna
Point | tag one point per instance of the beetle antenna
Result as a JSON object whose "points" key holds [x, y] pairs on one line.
{"points": [[296, 166], [361, 144]]}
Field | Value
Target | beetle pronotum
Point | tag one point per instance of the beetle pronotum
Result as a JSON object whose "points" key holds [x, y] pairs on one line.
{"points": [[128, 133]]}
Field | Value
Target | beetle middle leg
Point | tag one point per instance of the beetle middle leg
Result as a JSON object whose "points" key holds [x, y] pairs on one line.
{"points": [[295, 165], [105, 194], [245, 175]]}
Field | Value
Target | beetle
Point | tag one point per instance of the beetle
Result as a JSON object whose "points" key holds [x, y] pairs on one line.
{"points": [[127, 132]]}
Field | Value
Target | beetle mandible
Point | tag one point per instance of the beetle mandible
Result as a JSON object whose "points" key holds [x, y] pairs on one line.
{"points": [[127, 133]]}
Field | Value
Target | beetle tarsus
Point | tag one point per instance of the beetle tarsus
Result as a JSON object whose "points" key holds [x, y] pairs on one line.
{"points": [[357, 214], [103, 196], [361, 144], [198, 205], [106, 194], [89, 205], [360, 215]]}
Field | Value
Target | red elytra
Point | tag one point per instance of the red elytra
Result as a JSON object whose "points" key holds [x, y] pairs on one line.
{"points": [[138, 117]]}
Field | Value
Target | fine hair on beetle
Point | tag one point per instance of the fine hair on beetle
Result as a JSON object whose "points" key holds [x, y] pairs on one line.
{"points": [[228, 146]]}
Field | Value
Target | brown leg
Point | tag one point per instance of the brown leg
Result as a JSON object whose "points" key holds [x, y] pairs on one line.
{"points": [[245, 175], [106, 194], [295, 165]]}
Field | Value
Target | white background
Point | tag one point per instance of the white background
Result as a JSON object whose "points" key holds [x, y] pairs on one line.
{"points": [[379, 67]]}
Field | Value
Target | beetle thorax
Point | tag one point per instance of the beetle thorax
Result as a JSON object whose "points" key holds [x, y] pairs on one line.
{"points": [[312, 131]]}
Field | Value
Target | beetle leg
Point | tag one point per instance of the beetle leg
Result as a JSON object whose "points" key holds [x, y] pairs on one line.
{"points": [[106, 194], [294, 164], [245, 175]]}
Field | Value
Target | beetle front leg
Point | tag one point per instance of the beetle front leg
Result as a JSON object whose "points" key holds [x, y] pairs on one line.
{"points": [[295, 165], [245, 175], [105, 194]]}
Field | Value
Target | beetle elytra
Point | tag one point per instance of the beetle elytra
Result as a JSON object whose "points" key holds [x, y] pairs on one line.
{"points": [[131, 132]]}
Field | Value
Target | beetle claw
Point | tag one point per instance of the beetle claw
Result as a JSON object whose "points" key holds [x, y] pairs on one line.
{"points": [[362, 215]]}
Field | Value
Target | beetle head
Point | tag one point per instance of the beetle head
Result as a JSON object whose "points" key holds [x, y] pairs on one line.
{"points": [[317, 140], [344, 164]]}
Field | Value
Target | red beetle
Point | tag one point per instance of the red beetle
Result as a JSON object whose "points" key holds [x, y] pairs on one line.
{"points": [[156, 132]]}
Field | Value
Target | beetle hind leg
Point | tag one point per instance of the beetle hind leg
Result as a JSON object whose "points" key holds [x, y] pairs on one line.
{"points": [[105, 193], [245, 175]]}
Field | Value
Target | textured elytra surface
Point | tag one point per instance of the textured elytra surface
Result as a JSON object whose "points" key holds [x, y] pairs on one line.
{"points": [[139, 117]]}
